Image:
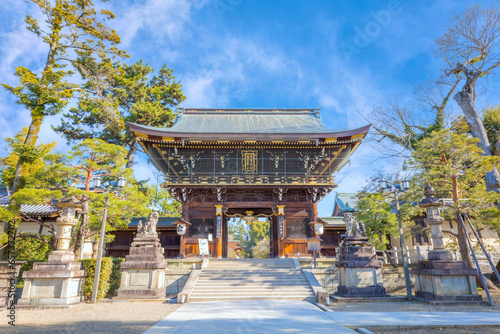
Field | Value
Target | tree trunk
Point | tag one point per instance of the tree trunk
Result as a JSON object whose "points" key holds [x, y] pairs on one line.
{"points": [[31, 138], [131, 154], [465, 99]]}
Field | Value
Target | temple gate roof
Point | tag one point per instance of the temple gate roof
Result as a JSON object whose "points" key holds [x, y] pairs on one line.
{"points": [[259, 124]]}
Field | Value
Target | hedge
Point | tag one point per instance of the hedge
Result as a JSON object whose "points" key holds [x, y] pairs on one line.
{"points": [[29, 248], [116, 275], [106, 267]]}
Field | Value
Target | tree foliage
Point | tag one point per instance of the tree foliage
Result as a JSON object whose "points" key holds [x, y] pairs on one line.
{"points": [[166, 205], [262, 250], [33, 156], [491, 121], [446, 155], [125, 93], [72, 28], [250, 235], [455, 166], [379, 219]]}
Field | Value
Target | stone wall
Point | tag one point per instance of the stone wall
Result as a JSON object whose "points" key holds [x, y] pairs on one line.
{"points": [[183, 264], [177, 273], [175, 280], [394, 279], [327, 278]]}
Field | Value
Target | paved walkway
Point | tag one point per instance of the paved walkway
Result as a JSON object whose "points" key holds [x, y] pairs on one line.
{"points": [[266, 316]]}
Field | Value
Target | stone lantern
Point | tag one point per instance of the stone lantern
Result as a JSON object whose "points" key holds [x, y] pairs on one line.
{"points": [[69, 206], [59, 281], [440, 279], [434, 220]]}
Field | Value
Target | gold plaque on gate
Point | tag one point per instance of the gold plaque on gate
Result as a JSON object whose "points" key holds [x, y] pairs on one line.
{"points": [[249, 161]]}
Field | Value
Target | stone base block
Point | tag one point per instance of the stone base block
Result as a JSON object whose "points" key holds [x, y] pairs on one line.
{"points": [[368, 291], [142, 283], [360, 282], [61, 256], [350, 299], [450, 288], [445, 281], [141, 294], [53, 284]]}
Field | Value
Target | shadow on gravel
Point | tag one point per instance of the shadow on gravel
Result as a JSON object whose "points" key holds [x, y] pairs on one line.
{"points": [[104, 327]]}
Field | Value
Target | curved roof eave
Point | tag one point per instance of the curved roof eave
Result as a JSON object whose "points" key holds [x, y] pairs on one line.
{"points": [[167, 132]]}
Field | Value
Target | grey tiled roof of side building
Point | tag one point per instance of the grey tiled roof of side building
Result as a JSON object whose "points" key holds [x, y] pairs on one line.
{"points": [[41, 209]]}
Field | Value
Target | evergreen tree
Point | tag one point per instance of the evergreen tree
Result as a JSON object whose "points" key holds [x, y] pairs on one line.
{"points": [[120, 94], [72, 28]]}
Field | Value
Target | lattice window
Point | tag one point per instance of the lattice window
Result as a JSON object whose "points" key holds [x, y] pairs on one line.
{"points": [[298, 227], [201, 227]]}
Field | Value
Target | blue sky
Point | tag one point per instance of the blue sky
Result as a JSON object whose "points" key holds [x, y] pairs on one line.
{"points": [[344, 57]]}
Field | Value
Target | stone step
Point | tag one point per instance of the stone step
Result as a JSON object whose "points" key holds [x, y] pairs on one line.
{"points": [[200, 299], [252, 260], [252, 271], [269, 267], [250, 267], [250, 286], [252, 293], [252, 279], [255, 280], [275, 275], [249, 273], [259, 283], [298, 289]]}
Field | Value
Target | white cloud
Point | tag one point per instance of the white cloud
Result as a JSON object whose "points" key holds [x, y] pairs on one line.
{"points": [[162, 18], [200, 91], [18, 46]]}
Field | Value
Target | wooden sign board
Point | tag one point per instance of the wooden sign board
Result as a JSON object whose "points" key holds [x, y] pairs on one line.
{"points": [[314, 244], [203, 246]]}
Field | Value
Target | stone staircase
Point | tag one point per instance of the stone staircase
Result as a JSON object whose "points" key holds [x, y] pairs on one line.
{"points": [[251, 279], [5, 284]]}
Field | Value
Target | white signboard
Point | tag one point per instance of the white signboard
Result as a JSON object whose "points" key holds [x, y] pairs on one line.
{"points": [[203, 246]]}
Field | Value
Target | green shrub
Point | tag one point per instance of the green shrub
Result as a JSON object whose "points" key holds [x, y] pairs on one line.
{"points": [[89, 266], [29, 248], [116, 275]]}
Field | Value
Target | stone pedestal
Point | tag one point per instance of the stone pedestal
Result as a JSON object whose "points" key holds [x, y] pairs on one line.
{"points": [[359, 271], [143, 272], [440, 278], [60, 280], [57, 282], [445, 281]]}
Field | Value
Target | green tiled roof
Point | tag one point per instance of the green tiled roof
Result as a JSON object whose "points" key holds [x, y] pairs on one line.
{"points": [[227, 122]]}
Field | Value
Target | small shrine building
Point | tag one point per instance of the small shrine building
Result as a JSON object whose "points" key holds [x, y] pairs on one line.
{"points": [[249, 164]]}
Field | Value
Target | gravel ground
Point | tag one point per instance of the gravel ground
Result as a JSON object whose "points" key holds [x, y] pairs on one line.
{"points": [[419, 307], [116, 317], [136, 317], [463, 330]]}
